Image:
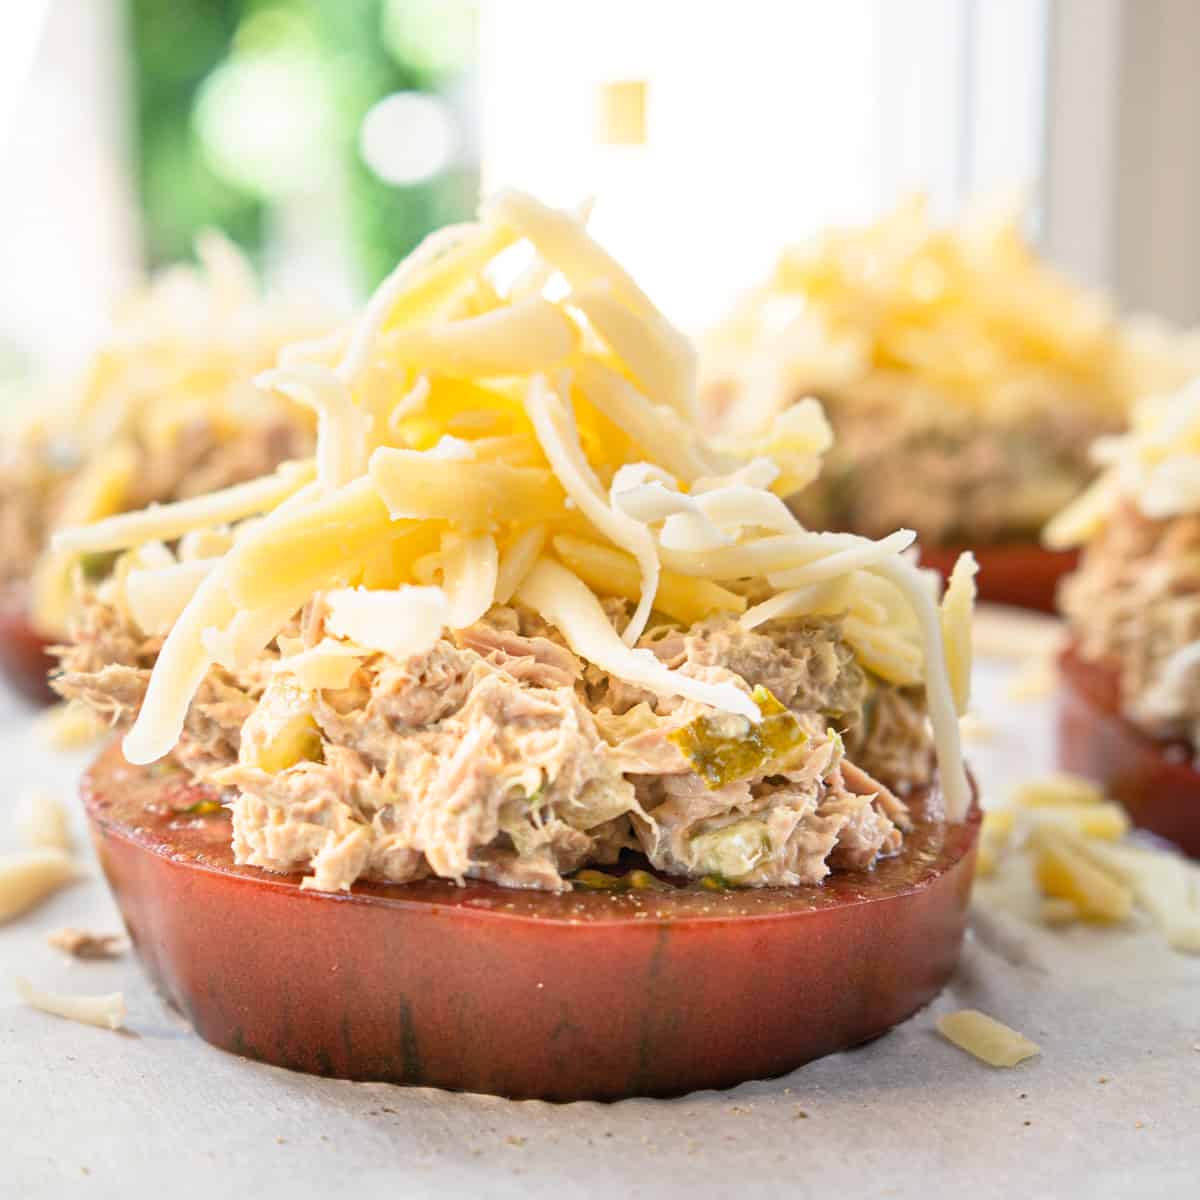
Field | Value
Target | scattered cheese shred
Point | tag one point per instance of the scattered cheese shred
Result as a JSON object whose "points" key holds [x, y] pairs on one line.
{"points": [[106, 1011], [1063, 870], [44, 823], [28, 879], [986, 1038]]}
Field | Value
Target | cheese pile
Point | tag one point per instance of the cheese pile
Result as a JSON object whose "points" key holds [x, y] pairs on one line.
{"points": [[1083, 865], [181, 354], [1155, 466], [969, 312], [511, 419]]}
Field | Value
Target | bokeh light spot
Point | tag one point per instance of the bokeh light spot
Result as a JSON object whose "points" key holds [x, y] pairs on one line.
{"points": [[408, 137]]}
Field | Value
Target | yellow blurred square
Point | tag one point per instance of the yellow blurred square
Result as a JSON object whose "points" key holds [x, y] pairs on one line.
{"points": [[621, 113]]}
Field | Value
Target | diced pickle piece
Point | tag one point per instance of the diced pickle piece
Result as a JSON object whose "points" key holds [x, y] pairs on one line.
{"points": [[632, 881], [296, 740], [723, 749], [733, 850]]}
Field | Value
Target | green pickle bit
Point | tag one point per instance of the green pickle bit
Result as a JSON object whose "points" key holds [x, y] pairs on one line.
{"points": [[203, 808], [631, 881], [719, 758]]}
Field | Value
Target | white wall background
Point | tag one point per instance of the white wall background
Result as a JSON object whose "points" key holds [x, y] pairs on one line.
{"points": [[766, 119]]}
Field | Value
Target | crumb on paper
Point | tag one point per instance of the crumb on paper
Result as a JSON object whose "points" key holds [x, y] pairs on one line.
{"points": [[43, 822], [83, 943], [514, 1140], [987, 1039], [105, 1011], [28, 879]]}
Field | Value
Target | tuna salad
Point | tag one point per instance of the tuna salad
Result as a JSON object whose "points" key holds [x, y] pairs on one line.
{"points": [[518, 618], [164, 409], [1134, 602], [953, 356]]}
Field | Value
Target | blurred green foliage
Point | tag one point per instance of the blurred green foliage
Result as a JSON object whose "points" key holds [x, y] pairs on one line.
{"points": [[200, 65]]}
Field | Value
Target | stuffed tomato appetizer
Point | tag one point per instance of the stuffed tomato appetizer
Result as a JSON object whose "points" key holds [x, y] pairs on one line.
{"points": [[1130, 696], [164, 409], [963, 377], [531, 746]]}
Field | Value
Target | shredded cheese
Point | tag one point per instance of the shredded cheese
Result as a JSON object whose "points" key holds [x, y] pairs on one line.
{"points": [[958, 604], [402, 623], [986, 1038], [106, 1011], [566, 601], [477, 446], [43, 821], [28, 879], [165, 522], [942, 713], [559, 440]]}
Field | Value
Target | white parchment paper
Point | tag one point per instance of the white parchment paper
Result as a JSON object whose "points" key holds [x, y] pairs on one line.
{"points": [[1110, 1109]]}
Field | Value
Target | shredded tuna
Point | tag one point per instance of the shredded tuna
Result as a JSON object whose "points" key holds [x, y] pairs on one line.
{"points": [[1134, 603], [981, 480], [496, 756]]}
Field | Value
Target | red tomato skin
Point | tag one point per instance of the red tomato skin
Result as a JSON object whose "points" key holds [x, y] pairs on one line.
{"points": [[1154, 780], [1024, 575], [24, 659], [519, 994]]}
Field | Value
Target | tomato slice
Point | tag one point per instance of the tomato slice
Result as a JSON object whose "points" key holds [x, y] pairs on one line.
{"points": [[1022, 574], [1155, 780], [24, 660], [523, 994]]}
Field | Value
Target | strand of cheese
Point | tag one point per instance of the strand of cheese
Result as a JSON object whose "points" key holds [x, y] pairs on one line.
{"points": [[515, 340], [609, 572], [560, 444], [416, 485], [568, 603], [166, 522], [913, 583]]}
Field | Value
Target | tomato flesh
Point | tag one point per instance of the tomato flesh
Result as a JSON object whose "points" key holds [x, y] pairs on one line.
{"points": [[24, 660], [584, 995], [1021, 574], [1155, 780]]}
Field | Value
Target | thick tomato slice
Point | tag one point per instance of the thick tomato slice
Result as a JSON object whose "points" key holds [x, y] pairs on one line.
{"points": [[24, 661], [523, 994], [1025, 575], [1154, 780]]}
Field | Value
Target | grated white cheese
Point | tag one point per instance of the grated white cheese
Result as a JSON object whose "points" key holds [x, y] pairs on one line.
{"points": [[106, 1011], [567, 602], [560, 443], [403, 623], [942, 713], [165, 522], [28, 879]]}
